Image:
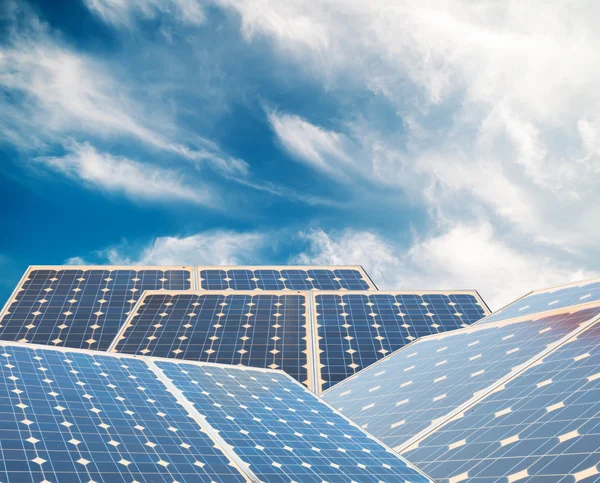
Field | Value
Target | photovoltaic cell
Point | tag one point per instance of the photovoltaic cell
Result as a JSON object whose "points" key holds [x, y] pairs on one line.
{"points": [[261, 329], [284, 431], [284, 278], [77, 417], [81, 307], [412, 389], [543, 426], [73, 415], [552, 299], [357, 329]]}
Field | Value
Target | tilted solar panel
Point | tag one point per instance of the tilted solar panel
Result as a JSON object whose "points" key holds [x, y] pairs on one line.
{"points": [[543, 425], [77, 415], [357, 329], [551, 299], [260, 329], [81, 307], [283, 430], [411, 391], [284, 278]]}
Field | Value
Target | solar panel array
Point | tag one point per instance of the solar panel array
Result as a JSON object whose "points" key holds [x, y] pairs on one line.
{"points": [[81, 307], [70, 415], [264, 329], [357, 329], [543, 425], [413, 389], [284, 278]]}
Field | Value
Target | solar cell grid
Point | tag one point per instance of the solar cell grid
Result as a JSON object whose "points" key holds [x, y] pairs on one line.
{"points": [[411, 390], [550, 299], [264, 329], [283, 431], [284, 278], [543, 426], [73, 416], [81, 307], [357, 329]]}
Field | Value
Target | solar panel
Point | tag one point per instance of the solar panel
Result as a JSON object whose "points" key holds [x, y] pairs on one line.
{"points": [[414, 389], [81, 307], [555, 298], [284, 431], [357, 329], [75, 415], [543, 425], [284, 278], [260, 329]]}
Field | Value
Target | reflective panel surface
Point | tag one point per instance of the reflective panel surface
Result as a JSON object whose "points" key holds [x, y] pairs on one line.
{"points": [[81, 308], [356, 330]]}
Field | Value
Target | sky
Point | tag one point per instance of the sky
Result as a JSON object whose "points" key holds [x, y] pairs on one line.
{"points": [[440, 144]]}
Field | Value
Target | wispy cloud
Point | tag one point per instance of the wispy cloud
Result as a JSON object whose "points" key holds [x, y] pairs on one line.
{"points": [[122, 175], [219, 247], [123, 12], [51, 91]]}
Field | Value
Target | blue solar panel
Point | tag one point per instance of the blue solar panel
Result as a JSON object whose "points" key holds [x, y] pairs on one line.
{"points": [[283, 278], [552, 299], [69, 415], [409, 391], [255, 329], [357, 329], [81, 307], [73, 416], [285, 432], [544, 426]]}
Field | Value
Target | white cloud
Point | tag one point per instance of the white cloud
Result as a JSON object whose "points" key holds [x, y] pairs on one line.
{"points": [[206, 248], [61, 92], [322, 149], [497, 102], [464, 256], [134, 179], [122, 12]]}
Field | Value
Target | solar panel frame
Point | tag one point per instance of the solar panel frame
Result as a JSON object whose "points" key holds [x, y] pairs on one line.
{"points": [[314, 316], [490, 389], [199, 268], [152, 360], [500, 382], [548, 290], [91, 268], [194, 413], [577, 335], [309, 346]]}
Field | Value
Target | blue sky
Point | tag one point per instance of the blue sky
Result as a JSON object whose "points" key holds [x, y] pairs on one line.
{"points": [[439, 144]]}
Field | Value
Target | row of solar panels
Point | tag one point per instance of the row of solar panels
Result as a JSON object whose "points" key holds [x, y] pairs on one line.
{"points": [[514, 397], [83, 416], [318, 337]]}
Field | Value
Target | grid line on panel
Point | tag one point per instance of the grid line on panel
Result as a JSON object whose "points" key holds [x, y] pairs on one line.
{"points": [[87, 417], [283, 278], [417, 386], [242, 465], [80, 307], [543, 422], [355, 329], [260, 329]]}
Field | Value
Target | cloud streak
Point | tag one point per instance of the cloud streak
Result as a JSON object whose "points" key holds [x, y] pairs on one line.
{"points": [[140, 181]]}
